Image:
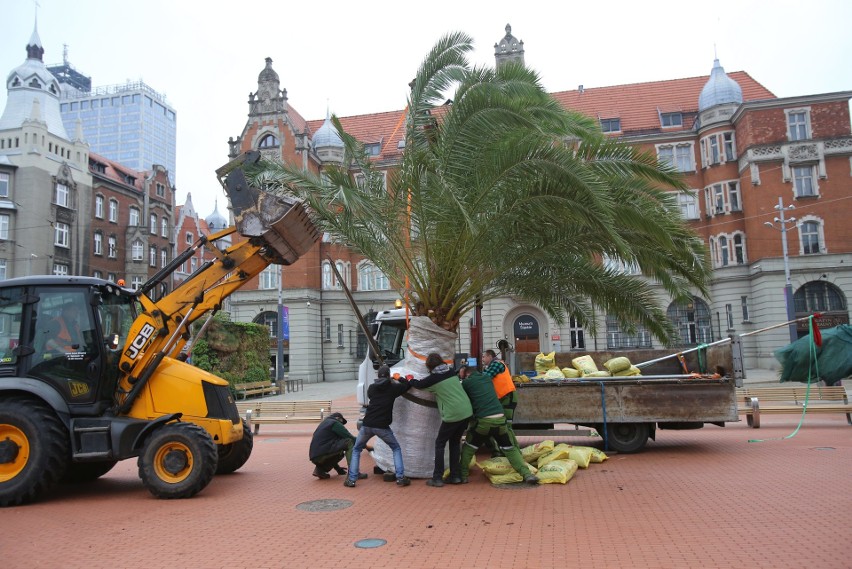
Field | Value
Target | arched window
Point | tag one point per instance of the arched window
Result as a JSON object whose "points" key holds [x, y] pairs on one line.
{"points": [[326, 275], [811, 236], [617, 338], [819, 296], [341, 268], [268, 141], [692, 320], [270, 320], [371, 278]]}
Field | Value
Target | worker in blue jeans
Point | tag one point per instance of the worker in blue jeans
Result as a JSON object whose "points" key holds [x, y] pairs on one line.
{"points": [[377, 421]]}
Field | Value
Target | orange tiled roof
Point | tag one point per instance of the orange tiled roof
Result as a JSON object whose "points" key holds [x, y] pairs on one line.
{"points": [[637, 105], [116, 171]]}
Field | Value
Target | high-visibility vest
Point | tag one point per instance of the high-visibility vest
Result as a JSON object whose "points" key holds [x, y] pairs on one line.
{"points": [[503, 383]]}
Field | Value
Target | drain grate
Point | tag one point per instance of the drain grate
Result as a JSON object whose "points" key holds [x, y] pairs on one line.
{"points": [[823, 448], [370, 543], [514, 486], [328, 505]]}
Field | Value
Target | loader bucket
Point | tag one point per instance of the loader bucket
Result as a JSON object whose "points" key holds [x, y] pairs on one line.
{"points": [[280, 221]]}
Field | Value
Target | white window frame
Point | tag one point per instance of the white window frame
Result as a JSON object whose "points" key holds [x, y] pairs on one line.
{"points": [[134, 216], [744, 306], [4, 184], [820, 234], [61, 195], [99, 207], [371, 278], [112, 247], [137, 250], [327, 276], [728, 249], [729, 146], [152, 256], [684, 157], [189, 238], [62, 234], [5, 220], [2, 269], [798, 178], [269, 278], [136, 282], [153, 219], [98, 246], [164, 227], [113, 210], [797, 131], [670, 118], [60, 269], [164, 257], [688, 204], [723, 197]]}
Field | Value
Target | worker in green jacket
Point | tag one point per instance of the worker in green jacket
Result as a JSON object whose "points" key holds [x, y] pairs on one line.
{"points": [[488, 421], [456, 411]]}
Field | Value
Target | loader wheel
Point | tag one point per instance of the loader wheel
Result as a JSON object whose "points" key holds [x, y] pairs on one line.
{"points": [[33, 450], [178, 461], [234, 455], [79, 472], [627, 437]]}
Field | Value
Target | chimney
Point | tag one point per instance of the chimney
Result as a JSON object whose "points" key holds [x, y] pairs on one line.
{"points": [[580, 89]]}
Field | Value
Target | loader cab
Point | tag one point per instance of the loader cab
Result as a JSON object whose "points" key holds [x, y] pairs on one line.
{"points": [[389, 328], [67, 332]]}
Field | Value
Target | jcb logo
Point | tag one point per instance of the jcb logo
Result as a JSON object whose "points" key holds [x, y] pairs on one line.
{"points": [[139, 341]]}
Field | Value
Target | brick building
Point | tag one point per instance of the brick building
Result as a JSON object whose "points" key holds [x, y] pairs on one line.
{"points": [[749, 157]]}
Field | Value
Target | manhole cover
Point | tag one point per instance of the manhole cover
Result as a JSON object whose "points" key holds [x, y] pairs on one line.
{"points": [[324, 505], [823, 448], [370, 543]]}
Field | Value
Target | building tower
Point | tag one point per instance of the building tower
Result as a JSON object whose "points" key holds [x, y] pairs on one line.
{"points": [[45, 185], [509, 49]]}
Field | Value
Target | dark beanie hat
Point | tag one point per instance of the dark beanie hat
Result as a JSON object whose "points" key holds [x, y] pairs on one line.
{"points": [[338, 417], [384, 372]]}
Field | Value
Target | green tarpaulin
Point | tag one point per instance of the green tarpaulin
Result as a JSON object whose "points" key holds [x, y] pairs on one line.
{"points": [[833, 358]]}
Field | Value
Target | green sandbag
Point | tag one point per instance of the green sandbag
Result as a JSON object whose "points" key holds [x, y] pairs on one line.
{"points": [[833, 359]]}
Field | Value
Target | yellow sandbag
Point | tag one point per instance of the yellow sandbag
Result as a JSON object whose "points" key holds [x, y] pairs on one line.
{"points": [[597, 454], [558, 471], [560, 451], [532, 453], [570, 372], [581, 455], [631, 371], [616, 365], [601, 373], [545, 362], [496, 465], [554, 374], [509, 478], [585, 364]]}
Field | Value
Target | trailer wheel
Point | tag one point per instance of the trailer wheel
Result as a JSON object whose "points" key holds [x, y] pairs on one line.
{"points": [[33, 450], [178, 461], [627, 437], [233, 456], [79, 472]]}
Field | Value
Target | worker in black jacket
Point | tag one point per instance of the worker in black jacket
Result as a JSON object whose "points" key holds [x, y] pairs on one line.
{"points": [[377, 421], [330, 443]]}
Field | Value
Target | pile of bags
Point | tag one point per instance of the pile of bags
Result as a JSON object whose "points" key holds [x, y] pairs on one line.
{"points": [[551, 463], [582, 366]]}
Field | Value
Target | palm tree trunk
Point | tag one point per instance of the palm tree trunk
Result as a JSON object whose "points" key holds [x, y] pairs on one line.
{"points": [[416, 424]]}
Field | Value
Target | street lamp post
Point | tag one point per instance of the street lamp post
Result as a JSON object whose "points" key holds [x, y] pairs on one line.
{"points": [[788, 286], [279, 358]]}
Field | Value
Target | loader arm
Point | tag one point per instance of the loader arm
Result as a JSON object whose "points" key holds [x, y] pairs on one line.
{"points": [[269, 230]]}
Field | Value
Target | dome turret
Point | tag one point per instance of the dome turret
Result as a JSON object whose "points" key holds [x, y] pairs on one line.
{"points": [[719, 89], [327, 135], [216, 221]]}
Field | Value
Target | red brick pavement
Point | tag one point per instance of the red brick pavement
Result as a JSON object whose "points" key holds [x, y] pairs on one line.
{"points": [[705, 498]]}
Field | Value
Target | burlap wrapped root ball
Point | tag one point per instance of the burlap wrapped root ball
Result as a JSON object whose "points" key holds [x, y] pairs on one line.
{"points": [[416, 425]]}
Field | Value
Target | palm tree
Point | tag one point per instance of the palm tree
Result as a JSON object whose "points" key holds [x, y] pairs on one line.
{"points": [[505, 192]]}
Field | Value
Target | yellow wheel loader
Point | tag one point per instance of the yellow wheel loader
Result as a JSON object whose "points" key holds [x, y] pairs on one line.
{"points": [[92, 373]]}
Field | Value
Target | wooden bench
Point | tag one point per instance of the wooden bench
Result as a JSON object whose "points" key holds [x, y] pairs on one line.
{"points": [[256, 388], [755, 401], [284, 412]]}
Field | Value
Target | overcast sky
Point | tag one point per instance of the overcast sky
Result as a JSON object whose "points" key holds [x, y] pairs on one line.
{"points": [[358, 57]]}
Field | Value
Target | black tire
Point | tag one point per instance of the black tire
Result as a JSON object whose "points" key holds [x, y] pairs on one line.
{"points": [[233, 456], [178, 461], [627, 437], [80, 472], [33, 450]]}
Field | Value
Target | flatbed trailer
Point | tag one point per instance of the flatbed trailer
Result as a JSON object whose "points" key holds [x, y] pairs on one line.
{"points": [[626, 411]]}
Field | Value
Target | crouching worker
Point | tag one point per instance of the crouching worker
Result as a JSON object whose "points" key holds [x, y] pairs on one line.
{"points": [[488, 421], [330, 443], [377, 421]]}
